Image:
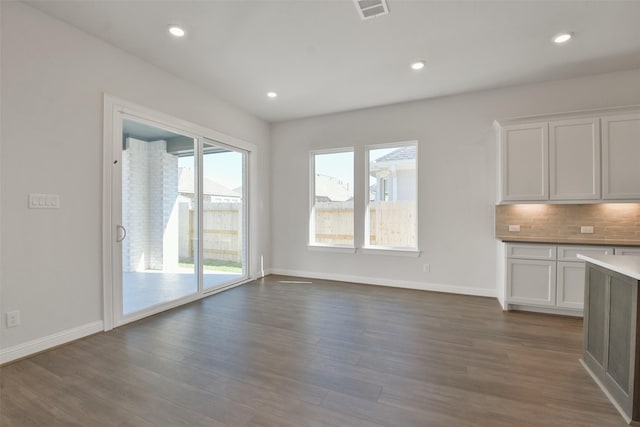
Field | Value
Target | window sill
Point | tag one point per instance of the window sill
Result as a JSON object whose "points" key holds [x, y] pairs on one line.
{"points": [[389, 251], [329, 248]]}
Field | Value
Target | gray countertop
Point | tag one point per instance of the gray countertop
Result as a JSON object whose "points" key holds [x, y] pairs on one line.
{"points": [[628, 265]]}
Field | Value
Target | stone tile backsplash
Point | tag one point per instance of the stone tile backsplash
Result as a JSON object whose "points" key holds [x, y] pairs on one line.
{"points": [[615, 223]]}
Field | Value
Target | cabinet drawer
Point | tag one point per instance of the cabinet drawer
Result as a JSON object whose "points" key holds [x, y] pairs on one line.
{"points": [[628, 251], [569, 253], [529, 251]]}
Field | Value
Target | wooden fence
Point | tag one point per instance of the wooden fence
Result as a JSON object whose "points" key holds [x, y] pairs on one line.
{"points": [[222, 224], [391, 223], [334, 223]]}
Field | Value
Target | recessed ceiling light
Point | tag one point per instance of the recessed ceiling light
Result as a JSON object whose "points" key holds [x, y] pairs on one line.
{"points": [[272, 94], [562, 38], [418, 65], [176, 31]]}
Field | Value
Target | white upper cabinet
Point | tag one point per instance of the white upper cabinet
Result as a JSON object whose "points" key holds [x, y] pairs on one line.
{"points": [[574, 159], [621, 157], [524, 157]]}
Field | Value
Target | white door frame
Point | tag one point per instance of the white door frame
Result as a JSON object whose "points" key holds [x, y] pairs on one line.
{"points": [[115, 110]]}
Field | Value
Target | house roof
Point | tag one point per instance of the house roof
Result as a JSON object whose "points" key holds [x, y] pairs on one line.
{"points": [[402, 153], [211, 187], [332, 188]]}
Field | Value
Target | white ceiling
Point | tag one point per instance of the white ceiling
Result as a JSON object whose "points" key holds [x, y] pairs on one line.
{"points": [[321, 57]]}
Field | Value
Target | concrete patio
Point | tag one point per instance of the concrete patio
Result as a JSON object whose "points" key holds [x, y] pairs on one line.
{"points": [[144, 289]]}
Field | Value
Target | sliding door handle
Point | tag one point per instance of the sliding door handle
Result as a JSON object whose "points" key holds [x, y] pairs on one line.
{"points": [[121, 231]]}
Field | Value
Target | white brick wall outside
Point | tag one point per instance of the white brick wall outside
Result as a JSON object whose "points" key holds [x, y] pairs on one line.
{"points": [[149, 206]]}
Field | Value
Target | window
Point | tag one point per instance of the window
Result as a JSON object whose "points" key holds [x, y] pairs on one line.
{"points": [[391, 216], [331, 220]]}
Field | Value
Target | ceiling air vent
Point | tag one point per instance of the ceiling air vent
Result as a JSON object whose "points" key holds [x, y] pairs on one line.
{"points": [[371, 8]]}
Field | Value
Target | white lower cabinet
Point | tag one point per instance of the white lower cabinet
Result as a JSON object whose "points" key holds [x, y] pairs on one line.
{"points": [[570, 285], [628, 250], [531, 282], [547, 276]]}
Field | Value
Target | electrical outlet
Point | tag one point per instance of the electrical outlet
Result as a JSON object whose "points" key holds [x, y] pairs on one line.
{"points": [[426, 268], [586, 229], [13, 318], [515, 227]]}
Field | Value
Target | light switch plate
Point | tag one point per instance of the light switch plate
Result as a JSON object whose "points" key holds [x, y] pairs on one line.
{"points": [[44, 201]]}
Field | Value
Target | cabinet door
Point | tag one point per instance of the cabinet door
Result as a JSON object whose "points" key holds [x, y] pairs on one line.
{"points": [[595, 316], [531, 282], [621, 318], [574, 159], [611, 335], [621, 157], [570, 285], [524, 162]]}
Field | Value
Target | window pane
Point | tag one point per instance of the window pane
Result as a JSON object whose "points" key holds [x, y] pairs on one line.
{"points": [[223, 224], [392, 197], [152, 215], [332, 214]]}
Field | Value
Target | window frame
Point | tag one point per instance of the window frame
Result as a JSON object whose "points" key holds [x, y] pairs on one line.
{"points": [[367, 248], [311, 243]]}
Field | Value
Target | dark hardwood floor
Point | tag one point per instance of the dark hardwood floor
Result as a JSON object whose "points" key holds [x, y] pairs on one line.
{"points": [[320, 354]]}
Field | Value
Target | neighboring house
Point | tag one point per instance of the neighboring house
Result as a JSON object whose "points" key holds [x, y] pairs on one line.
{"points": [[395, 175], [213, 192], [332, 189]]}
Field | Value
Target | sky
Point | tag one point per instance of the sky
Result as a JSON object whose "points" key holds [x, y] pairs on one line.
{"points": [[226, 168], [340, 165], [223, 168]]}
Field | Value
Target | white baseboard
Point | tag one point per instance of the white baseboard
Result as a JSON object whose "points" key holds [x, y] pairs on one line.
{"points": [[423, 286], [544, 310], [45, 343], [263, 273]]}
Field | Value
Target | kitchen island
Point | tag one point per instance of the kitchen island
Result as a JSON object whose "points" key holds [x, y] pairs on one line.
{"points": [[611, 329]]}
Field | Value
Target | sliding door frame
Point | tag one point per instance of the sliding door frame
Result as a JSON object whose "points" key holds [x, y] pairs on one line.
{"points": [[244, 213], [115, 111]]}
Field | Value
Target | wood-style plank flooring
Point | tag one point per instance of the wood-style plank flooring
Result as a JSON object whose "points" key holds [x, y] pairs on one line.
{"points": [[321, 354]]}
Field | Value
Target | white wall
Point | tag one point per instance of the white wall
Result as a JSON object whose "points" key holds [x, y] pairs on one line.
{"points": [[456, 178], [53, 79]]}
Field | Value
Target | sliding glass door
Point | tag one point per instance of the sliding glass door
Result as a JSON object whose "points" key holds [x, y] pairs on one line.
{"points": [[183, 220], [223, 215]]}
